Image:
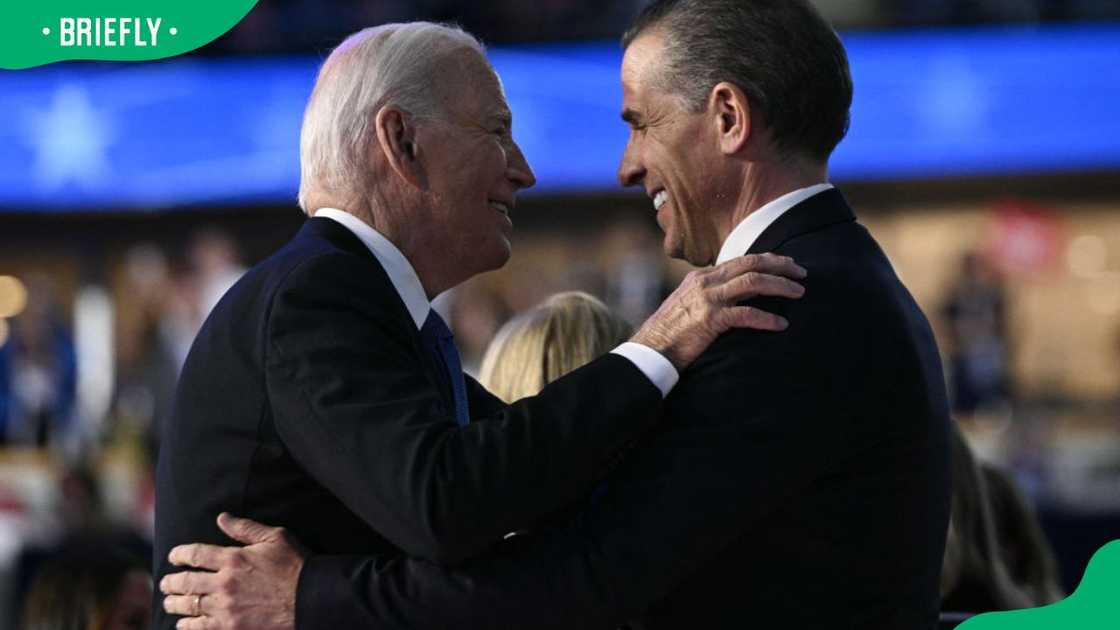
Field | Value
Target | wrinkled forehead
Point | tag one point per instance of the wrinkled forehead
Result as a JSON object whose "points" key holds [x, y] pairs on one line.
{"points": [[473, 67], [642, 57], [476, 86]]}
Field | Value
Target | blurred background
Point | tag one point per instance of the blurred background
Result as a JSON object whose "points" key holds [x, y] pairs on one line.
{"points": [[984, 154]]}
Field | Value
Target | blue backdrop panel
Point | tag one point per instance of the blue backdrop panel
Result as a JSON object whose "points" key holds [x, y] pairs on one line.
{"points": [[189, 131]]}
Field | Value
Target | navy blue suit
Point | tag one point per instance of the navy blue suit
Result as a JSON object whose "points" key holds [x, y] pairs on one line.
{"points": [[309, 401], [800, 480]]}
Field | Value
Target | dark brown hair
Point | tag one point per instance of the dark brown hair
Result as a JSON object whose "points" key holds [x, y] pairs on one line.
{"points": [[781, 53]]}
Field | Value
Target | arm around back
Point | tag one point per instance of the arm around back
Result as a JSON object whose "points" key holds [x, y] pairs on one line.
{"points": [[746, 428], [352, 402]]}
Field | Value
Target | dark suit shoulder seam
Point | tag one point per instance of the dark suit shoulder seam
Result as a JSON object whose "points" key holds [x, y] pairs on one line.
{"points": [[793, 237]]}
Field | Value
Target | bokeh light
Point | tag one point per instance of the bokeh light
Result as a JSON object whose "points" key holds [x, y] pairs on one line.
{"points": [[13, 296]]}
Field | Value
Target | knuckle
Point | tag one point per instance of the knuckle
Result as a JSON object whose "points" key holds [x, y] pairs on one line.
{"points": [[225, 583], [235, 560], [283, 535]]}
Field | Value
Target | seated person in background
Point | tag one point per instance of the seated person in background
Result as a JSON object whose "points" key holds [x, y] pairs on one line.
{"points": [[564, 332], [90, 585], [996, 557]]}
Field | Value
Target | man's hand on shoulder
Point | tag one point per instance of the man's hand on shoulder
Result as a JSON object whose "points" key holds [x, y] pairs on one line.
{"points": [[242, 587], [705, 305]]}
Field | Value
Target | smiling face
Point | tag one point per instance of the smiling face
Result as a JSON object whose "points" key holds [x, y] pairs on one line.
{"points": [[672, 153], [474, 170]]}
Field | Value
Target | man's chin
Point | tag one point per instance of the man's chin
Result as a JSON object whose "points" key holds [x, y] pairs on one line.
{"points": [[673, 248], [501, 255], [694, 258]]}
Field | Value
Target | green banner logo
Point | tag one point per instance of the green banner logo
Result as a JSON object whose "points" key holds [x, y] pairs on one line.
{"points": [[1095, 605], [37, 33]]}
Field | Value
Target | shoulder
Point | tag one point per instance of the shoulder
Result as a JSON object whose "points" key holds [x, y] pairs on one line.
{"points": [[313, 280], [311, 264]]}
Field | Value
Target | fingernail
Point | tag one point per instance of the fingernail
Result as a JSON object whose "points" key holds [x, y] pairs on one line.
{"points": [[782, 323]]}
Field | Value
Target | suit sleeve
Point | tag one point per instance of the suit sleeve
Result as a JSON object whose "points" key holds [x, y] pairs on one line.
{"points": [[749, 426], [354, 407]]}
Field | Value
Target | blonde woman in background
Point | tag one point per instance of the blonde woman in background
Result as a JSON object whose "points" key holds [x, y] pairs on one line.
{"points": [[565, 332], [559, 335]]}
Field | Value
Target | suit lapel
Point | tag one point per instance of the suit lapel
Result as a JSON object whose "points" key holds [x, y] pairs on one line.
{"points": [[817, 212], [339, 236]]}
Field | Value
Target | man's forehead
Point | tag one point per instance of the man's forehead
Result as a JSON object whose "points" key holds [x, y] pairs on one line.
{"points": [[640, 59], [476, 86]]}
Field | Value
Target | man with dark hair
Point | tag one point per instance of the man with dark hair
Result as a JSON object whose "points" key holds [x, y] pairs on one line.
{"points": [[810, 493], [803, 98]]}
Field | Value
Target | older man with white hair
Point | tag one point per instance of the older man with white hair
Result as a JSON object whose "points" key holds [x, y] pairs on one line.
{"points": [[798, 481], [325, 395]]}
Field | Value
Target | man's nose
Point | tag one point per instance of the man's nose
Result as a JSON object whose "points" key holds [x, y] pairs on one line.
{"points": [[630, 170], [518, 170]]}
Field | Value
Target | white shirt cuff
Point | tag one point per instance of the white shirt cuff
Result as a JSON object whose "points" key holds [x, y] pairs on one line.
{"points": [[656, 367]]}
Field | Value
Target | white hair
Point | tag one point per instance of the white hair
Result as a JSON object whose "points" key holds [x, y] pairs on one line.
{"points": [[392, 64]]}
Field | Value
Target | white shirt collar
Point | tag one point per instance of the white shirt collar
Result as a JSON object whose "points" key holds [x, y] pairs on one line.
{"points": [[399, 270], [749, 229]]}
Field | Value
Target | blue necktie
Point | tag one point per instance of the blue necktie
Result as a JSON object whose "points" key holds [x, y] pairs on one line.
{"points": [[441, 343]]}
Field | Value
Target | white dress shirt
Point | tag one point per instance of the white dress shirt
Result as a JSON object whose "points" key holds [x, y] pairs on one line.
{"points": [[749, 229], [656, 367]]}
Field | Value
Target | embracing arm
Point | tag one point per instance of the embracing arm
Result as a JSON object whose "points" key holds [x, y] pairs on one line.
{"points": [[356, 409], [677, 499], [628, 547], [732, 450], [352, 404]]}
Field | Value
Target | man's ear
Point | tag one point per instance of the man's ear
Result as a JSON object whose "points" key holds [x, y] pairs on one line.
{"points": [[396, 140], [732, 116]]}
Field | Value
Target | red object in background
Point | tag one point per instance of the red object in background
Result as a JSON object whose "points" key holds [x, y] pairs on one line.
{"points": [[1025, 237], [10, 500]]}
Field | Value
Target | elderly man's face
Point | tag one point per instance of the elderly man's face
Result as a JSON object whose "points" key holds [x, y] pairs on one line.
{"points": [[672, 154], [475, 170]]}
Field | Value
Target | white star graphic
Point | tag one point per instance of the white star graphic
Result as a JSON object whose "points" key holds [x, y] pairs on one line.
{"points": [[70, 139]]}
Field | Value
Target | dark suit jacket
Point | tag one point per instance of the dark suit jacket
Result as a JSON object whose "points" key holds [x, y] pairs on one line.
{"points": [[309, 401], [801, 480]]}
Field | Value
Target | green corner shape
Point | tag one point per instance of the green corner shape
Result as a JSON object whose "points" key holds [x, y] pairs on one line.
{"points": [[47, 31], [1094, 605]]}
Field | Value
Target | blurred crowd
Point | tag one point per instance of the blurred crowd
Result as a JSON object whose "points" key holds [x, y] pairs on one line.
{"points": [[285, 26], [76, 495]]}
